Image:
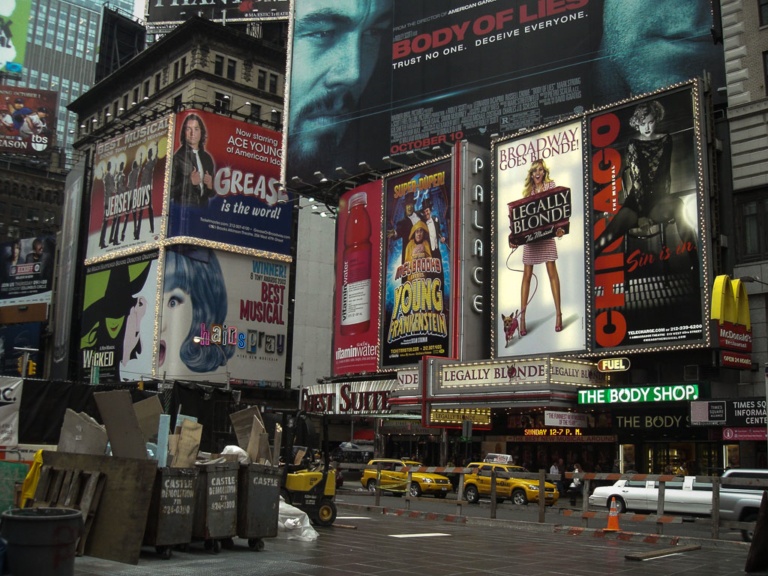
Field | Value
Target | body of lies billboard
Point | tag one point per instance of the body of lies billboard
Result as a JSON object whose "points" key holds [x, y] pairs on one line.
{"points": [[223, 317], [649, 226], [428, 73], [117, 327], [127, 191], [225, 183], [418, 265], [358, 280], [539, 244]]}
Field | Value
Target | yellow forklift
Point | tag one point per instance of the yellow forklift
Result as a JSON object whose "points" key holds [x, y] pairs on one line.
{"points": [[308, 479]]}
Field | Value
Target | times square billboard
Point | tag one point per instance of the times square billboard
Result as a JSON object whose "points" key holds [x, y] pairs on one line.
{"points": [[428, 73], [612, 201], [167, 11], [27, 120]]}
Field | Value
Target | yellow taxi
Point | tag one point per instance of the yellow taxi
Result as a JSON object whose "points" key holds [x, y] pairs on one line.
{"points": [[394, 479], [520, 490]]}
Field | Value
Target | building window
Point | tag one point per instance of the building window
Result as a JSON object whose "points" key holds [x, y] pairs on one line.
{"points": [[262, 82], [255, 111], [135, 97], [218, 67], [177, 105], [765, 70], [146, 89], [231, 68], [183, 65], [751, 223], [221, 102], [276, 117], [763, 7], [273, 83], [175, 71]]}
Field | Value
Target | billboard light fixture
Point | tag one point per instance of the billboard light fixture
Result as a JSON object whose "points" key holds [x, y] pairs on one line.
{"points": [[751, 279], [394, 162]]}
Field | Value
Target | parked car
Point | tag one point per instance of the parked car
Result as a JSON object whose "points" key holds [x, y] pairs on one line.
{"points": [[520, 490], [394, 479], [352, 452], [683, 497], [741, 503]]}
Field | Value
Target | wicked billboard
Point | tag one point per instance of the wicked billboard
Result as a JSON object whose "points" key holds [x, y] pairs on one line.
{"points": [[223, 317], [539, 244], [127, 191], [428, 74], [225, 183], [117, 325], [649, 229], [418, 267]]}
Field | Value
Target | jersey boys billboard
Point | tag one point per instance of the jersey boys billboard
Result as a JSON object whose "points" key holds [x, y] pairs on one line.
{"points": [[127, 191], [358, 280], [224, 183], [429, 72], [540, 242], [417, 265], [649, 228]]}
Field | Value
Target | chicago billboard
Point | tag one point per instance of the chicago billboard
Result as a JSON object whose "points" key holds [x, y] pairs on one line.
{"points": [[217, 10], [28, 119], [127, 190], [649, 228], [358, 280], [27, 271], [539, 244], [223, 318], [417, 259], [117, 327], [225, 183], [427, 74]]}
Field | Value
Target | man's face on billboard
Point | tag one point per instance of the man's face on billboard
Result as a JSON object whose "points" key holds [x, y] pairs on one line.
{"points": [[335, 48], [655, 45]]}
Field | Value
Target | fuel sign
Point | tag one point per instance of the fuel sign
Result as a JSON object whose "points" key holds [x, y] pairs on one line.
{"points": [[613, 365]]}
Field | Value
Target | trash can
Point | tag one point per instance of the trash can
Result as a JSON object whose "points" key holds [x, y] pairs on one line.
{"points": [[42, 541], [258, 509], [171, 510], [216, 504]]}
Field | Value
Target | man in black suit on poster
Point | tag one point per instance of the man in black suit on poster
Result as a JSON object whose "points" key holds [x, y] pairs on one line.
{"points": [[435, 227], [193, 167]]}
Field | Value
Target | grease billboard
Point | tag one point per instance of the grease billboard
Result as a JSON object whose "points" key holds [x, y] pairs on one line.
{"points": [[223, 317], [430, 73], [225, 183], [127, 190], [540, 254], [649, 231], [358, 280], [418, 267]]}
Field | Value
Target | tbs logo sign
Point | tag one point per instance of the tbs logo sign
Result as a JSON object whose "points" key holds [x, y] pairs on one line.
{"points": [[613, 365]]}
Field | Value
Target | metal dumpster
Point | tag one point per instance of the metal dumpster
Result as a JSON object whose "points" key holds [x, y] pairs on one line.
{"points": [[216, 504], [258, 495], [171, 510]]}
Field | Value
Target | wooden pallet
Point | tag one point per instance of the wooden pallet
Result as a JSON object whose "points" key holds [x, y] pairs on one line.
{"points": [[75, 489]]}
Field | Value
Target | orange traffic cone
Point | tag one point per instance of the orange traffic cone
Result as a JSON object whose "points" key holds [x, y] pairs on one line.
{"points": [[613, 518]]}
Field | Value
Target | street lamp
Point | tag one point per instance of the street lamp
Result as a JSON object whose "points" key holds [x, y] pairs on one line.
{"points": [[197, 340], [750, 279]]}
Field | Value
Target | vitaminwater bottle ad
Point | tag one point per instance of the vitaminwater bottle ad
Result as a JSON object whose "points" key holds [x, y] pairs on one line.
{"points": [[358, 280], [417, 279]]}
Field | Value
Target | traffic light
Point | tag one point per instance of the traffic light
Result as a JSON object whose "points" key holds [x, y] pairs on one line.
{"points": [[20, 365], [31, 368]]}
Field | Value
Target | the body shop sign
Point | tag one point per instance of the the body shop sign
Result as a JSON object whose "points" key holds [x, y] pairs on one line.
{"points": [[673, 393], [348, 398]]}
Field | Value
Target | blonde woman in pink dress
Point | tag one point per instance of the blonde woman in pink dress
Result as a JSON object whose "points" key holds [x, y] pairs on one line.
{"points": [[540, 251]]}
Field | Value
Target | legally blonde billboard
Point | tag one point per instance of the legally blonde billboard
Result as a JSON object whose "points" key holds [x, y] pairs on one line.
{"points": [[418, 302], [127, 190], [539, 243], [223, 317], [358, 280], [118, 313], [649, 229], [225, 183]]}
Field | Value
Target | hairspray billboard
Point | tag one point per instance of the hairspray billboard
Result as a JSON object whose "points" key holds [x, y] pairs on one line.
{"points": [[223, 318], [649, 227], [539, 256], [117, 325], [417, 264], [225, 183], [127, 191], [358, 280], [409, 75]]}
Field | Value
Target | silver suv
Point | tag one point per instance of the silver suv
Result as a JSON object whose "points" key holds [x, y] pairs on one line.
{"points": [[741, 502]]}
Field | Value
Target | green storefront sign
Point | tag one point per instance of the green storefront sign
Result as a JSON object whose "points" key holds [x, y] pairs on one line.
{"points": [[673, 393]]}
